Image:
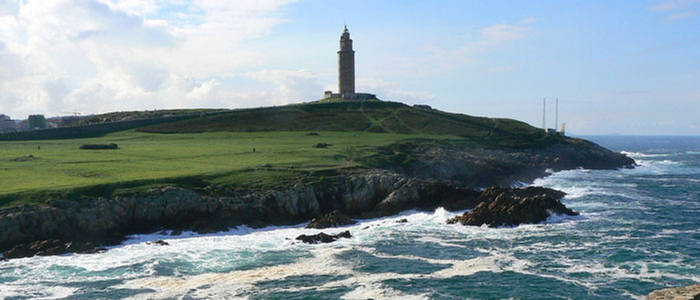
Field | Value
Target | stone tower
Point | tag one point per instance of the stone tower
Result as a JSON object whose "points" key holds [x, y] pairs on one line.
{"points": [[346, 73], [346, 65]]}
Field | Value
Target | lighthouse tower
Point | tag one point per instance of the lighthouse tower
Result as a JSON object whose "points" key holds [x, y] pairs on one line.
{"points": [[346, 65], [346, 73]]}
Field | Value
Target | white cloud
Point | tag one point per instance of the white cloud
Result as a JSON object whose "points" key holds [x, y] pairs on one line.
{"points": [[392, 91], [440, 60], [528, 20], [675, 10], [500, 33], [103, 55], [292, 86], [681, 15], [673, 5]]}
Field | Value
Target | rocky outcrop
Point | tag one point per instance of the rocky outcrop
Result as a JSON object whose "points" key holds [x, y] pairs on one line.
{"points": [[466, 165], [50, 247], [691, 292], [159, 243], [323, 238], [511, 207], [332, 219]]}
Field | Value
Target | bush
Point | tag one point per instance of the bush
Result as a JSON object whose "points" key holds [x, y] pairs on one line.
{"points": [[99, 146], [322, 145]]}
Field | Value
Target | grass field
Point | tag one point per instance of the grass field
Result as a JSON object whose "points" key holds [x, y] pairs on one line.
{"points": [[217, 148], [28, 173], [365, 116]]}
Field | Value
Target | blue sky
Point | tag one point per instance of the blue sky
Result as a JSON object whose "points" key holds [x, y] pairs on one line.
{"points": [[627, 67]]}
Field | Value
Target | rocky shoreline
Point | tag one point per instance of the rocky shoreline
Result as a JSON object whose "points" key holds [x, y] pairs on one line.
{"points": [[691, 292], [439, 177], [502, 207], [65, 226]]}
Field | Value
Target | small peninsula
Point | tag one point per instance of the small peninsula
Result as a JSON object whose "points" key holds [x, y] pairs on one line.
{"points": [[211, 170]]}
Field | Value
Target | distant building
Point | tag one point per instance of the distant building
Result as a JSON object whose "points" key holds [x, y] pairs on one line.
{"points": [[7, 124], [22, 125], [63, 121], [37, 122], [346, 72]]}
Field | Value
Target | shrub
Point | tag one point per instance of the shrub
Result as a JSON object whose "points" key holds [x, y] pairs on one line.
{"points": [[322, 145], [99, 146]]}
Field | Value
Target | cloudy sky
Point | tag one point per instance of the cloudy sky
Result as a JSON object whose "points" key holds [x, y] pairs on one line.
{"points": [[627, 67]]}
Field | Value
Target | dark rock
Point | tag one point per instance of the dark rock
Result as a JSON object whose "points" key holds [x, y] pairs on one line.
{"points": [[159, 243], [511, 207], [332, 219], [111, 146], [402, 221], [322, 145], [47, 247], [24, 158], [322, 237], [691, 292]]}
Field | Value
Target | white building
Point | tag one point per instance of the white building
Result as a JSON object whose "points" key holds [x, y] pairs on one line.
{"points": [[7, 124]]}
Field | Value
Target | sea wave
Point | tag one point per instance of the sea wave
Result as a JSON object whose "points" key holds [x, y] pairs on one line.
{"points": [[633, 154]]}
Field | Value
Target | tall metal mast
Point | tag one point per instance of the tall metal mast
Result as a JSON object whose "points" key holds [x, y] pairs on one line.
{"points": [[556, 115], [544, 125]]}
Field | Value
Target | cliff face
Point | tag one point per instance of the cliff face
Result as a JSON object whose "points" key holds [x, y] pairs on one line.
{"points": [[481, 167], [370, 194]]}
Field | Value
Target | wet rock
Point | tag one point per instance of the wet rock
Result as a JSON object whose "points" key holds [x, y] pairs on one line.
{"points": [[332, 219], [49, 247], [158, 243], [511, 207], [402, 221], [323, 237], [94, 250], [691, 292]]}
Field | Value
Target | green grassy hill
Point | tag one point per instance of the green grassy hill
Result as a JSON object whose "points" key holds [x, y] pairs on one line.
{"points": [[370, 116], [137, 115], [218, 149], [32, 171]]}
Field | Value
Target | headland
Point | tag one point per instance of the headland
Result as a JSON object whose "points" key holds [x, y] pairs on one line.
{"points": [[266, 166]]}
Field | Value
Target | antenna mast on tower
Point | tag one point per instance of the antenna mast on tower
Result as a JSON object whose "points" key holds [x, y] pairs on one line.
{"points": [[544, 103], [556, 114]]}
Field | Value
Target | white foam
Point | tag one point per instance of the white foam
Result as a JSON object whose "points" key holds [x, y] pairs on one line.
{"points": [[561, 218], [220, 252], [373, 289], [35, 291], [640, 154]]}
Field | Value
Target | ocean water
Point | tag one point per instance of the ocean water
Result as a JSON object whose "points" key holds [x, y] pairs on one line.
{"points": [[639, 230]]}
